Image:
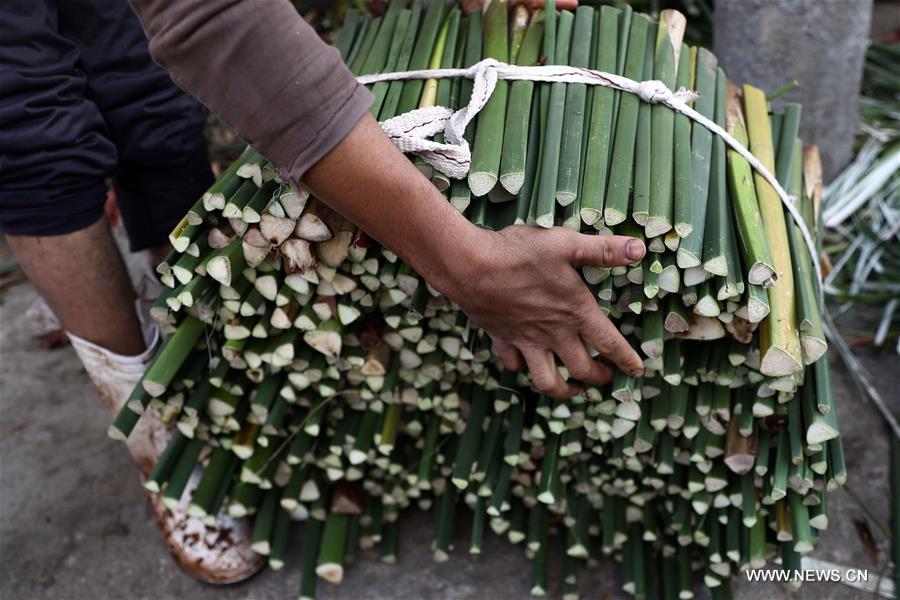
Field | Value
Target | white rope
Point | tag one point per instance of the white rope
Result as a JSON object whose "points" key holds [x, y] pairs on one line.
{"points": [[411, 131]]}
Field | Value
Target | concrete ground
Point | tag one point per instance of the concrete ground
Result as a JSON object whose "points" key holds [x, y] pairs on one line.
{"points": [[74, 523]]}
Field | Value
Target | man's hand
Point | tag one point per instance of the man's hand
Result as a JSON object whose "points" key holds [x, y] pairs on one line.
{"points": [[521, 285]]}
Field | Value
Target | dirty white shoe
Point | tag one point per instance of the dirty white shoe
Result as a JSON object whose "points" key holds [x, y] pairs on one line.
{"points": [[217, 554], [213, 554]]}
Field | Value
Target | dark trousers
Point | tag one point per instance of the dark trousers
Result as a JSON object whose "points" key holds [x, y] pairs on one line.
{"points": [[81, 101]]}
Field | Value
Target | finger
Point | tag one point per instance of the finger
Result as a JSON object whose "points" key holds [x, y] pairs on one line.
{"points": [[580, 364], [604, 250], [544, 375], [602, 335], [510, 357]]}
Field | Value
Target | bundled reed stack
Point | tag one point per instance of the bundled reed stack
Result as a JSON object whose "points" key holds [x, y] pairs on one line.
{"points": [[315, 377]]}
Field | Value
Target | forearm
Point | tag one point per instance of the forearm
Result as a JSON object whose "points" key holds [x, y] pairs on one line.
{"points": [[371, 183], [287, 93]]}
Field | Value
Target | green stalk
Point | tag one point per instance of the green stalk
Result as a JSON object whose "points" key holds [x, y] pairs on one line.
{"points": [[228, 183], [690, 210], [375, 59], [485, 167], [394, 89], [182, 472], [549, 54], [600, 128], [470, 440], [430, 89], [812, 337], [330, 565], [573, 124], [444, 524], [171, 356], [264, 522], [718, 218], [779, 340], [517, 29], [450, 34], [280, 531], [421, 55], [643, 151], [399, 38], [127, 417], [460, 195], [164, 467], [244, 500], [518, 118], [665, 68], [347, 32], [549, 471], [366, 44], [227, 263], [358, 40], [552, 138], [478, 520], [529, 189], [756, 254]]}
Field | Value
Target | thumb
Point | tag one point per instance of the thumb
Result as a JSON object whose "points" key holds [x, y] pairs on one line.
{"points": [[606, 250]]}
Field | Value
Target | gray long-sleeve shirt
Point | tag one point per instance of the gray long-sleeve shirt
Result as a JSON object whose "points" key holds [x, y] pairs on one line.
{"points": [[263, 69]]}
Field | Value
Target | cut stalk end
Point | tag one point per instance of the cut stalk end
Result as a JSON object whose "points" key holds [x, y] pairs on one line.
{"points": [[761, 274], [813, 348], [820, 432], [655, 226], [460, 483], [590, 216], [357, 457], [512, 182], [545, 221], [685, 259], [114, 433], [546, 497], [565, 198], [740, 463], [716, 266], [460, 203], [756, 310], [219, 268], [154, 389], [481, 183], [613, 217], [652, 348], [778, 363], [707, 307]]}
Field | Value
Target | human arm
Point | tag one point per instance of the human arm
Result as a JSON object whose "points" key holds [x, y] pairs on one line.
{"points": [[519, 284]]}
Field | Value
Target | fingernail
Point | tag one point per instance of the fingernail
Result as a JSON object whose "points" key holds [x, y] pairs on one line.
{"points": [[638, 372], [634, 250]]}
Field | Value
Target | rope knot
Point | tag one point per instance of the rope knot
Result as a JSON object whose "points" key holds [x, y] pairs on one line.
{"points": [[654, 91], [483, 66]]}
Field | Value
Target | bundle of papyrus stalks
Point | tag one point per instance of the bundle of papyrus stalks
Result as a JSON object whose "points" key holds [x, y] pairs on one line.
{"points": [[315, 377]]}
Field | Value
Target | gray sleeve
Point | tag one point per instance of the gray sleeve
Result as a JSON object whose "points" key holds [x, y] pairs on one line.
{"points": [[263, 69]]}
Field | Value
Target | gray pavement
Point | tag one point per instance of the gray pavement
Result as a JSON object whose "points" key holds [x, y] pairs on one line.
{"points": [[74, 523]]}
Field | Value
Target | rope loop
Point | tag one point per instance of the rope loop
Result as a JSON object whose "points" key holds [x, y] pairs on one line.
{"points": [[412, 132]]}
